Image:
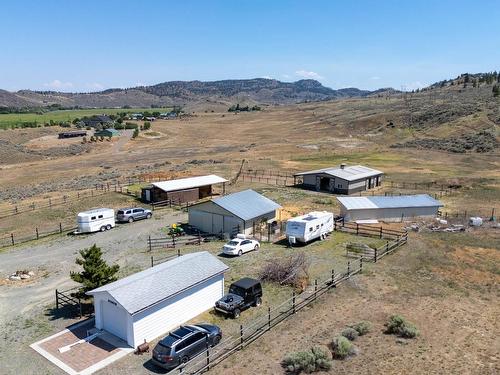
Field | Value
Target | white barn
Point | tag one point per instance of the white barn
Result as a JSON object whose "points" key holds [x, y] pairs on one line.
{"points": [[150, 303], [233, 213], [395, 208]]}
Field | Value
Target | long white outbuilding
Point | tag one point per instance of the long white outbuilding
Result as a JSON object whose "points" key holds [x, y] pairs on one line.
{"points": [[150, 303], [388, 208]]}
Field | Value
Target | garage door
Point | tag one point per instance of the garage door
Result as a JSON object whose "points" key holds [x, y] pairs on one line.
{"points": [[114, 319]]}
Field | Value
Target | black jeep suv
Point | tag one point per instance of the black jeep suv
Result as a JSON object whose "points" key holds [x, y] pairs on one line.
{"points": [[242, 294]]}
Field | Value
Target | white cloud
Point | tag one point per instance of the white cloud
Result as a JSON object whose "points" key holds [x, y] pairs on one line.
{"points": [[308, 75], [56, 84], [375, 78], [266, 77], [94, 86]]}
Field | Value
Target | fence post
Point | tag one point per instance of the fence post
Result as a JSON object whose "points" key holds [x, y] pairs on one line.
{"points": [[361, 265], [381, 231], [152, 261], [208, 353], [293, 302], [57, 300], [12, 238], [315, 289], [149, 243], [357, 229], [241, 336], [269, 317], [178, 252], [50, 202], [375, 258], [387, 247], [173, 241], [60, 228], [333, 276], [16, 210], [348, 268], [36, 230]]}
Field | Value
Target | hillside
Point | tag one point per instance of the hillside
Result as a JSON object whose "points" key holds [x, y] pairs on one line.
{"points": [[244, 91]]}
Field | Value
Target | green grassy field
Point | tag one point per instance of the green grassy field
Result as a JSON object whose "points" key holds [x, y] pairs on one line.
{"points": [[12, 119]]}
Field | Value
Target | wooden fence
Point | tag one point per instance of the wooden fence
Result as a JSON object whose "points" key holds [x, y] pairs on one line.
{"points": [[269, 177], [172, 242], [375, 254], [274, 315], [64, 298], [368, 230], [38, 233]]}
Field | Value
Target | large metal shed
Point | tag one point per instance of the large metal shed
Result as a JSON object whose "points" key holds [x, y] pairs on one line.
{"points": [[182, 190], [234, 213], [341, 180], [388, 208], [150, 303]]}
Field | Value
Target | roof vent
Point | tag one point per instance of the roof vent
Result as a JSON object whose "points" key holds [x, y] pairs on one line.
{"points": [[342, 166]]}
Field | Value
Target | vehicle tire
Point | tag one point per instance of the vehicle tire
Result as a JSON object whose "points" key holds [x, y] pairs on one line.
{"points": [[258, 302], [185, 359], [256, 248], [236, 313], [240, 253], [216, 340], [108, 227], [130, 219], [103, 228], [149, 216]]}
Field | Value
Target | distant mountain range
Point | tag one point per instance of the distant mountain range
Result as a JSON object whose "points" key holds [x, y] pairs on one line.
{"points": [[226, 92]]}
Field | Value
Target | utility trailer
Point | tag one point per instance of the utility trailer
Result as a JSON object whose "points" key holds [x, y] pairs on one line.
{"points": [[99, 219], [305, 228]]}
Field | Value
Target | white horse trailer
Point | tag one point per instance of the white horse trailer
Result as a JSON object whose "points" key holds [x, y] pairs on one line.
{"points": [[308, 227], [99, 219]]}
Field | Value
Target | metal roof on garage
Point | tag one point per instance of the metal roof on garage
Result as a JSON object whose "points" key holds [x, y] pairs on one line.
{"points": [[146, 288], [246, 204], [352, 173], [189, 183], [400, 201]]}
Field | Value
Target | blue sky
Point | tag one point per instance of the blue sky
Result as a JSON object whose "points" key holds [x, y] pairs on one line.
{"points": [[91, 45]]}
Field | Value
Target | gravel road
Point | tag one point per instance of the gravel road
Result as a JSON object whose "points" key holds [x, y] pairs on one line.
{"points": [[52, 260]]}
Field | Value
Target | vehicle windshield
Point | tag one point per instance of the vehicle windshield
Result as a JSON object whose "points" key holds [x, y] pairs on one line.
{"points": [[120, 212], [234, 289], [233, 243]]}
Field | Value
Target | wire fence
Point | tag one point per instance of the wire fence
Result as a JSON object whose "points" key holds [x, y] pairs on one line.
{"points": [[12, 239]]}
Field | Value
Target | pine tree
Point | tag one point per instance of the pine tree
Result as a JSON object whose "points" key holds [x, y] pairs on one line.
{"points": [[96, 272]]}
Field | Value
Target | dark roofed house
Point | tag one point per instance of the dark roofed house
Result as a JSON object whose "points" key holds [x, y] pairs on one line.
{"points": [[97, 121]]}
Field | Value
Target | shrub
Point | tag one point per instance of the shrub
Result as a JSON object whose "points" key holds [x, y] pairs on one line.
{"points": [[350, 333], [342, 347], [292, 270], [119, 127], [147, 125], [131, 125], [397, 325], [362, 327], [136, 133], [309, 361]]}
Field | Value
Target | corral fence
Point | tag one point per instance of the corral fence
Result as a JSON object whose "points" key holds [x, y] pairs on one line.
{"points": [[265, 322], [172, 242], [368, 230], [13, 239], [466, 214], [65, 299], [269, 177], [270, 232], [374, 254]]}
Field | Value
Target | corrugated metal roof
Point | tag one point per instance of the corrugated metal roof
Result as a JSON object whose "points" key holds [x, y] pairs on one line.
{"points": [[189, 183], [400, 201], [140, 290], [352, 173], [246, 204]]}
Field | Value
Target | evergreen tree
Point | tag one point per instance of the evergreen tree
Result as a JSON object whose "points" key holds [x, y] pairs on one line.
{"points": [[496, 90], [96, 272]]}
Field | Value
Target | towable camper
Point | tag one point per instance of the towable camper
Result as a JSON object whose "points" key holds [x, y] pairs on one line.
{"points": [[99, 219], [308, 227]]}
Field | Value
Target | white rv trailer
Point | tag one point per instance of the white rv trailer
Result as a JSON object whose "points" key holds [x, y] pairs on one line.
{"points": [[308, 227], [99, 219]]}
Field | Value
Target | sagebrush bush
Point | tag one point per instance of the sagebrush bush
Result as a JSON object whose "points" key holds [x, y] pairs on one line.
{"points": [[350, 334], [362, 327], [398, 325], [342, 347], [309, 361]]}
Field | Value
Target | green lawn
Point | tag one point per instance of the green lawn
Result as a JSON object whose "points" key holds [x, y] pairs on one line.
{"points": [[11, 119]]}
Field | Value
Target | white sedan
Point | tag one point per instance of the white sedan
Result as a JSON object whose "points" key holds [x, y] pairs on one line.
{"points": [[238, 246]]}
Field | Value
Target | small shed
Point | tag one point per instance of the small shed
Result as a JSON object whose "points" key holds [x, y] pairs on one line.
{"points": [[182, 190], [110, 132], [234, 213], [387, 208], [342, 179], [150, 303]]}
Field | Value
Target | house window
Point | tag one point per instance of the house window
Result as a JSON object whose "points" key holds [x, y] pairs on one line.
{"points": [[100, 216], [93, 218], [310, 229]]}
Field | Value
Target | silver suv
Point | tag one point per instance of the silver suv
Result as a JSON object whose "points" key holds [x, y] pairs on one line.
{"points": [[132, 214]]}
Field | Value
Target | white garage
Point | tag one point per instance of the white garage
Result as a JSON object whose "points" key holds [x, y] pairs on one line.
{"points": [[234, 213], [150, 303]]}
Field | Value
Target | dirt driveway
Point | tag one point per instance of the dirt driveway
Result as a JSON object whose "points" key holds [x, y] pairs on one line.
{"points": [[53, 259]]}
